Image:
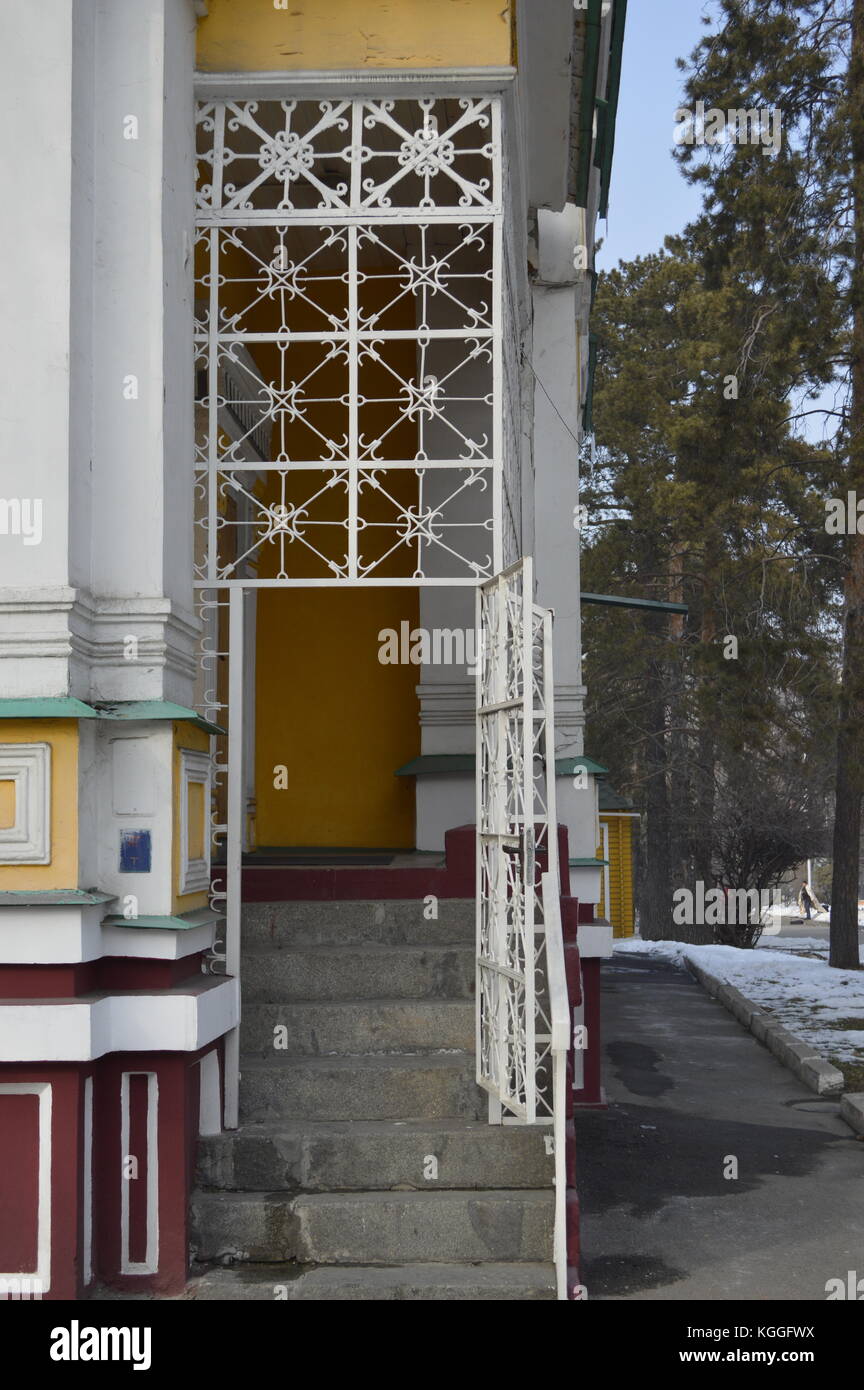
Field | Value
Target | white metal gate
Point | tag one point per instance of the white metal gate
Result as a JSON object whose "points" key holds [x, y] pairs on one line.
{"points": [[516, 843], [358, 318]]}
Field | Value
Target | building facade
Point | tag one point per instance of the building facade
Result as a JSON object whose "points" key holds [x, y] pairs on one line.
{"points": [[300, 366]]}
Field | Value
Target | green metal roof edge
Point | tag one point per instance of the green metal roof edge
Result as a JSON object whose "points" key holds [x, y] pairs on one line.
{"points": [[155, 709], [201, 917], [587, 98], [67, 707], [47, 707], [588, 863], [566, 767], [613, 88], [654, 605], [626, 807], [437, 765], [55, 897]]}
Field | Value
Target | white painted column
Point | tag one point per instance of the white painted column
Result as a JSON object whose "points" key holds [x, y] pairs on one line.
{"points": [[559, 327], [143, 373], [96, 432], [36, 97]]}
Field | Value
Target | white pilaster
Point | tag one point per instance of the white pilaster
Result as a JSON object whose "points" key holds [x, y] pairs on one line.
{"points": [[36, 255], [96, 436], [557, 425], [560, 328]]}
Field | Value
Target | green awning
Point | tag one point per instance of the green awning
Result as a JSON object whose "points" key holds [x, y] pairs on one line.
{"points": [[619, 601], [186, 921], [156, 709], [55, 897], [437, 765], [65, 707], [47, 707], [568, 767], [610, 800]]}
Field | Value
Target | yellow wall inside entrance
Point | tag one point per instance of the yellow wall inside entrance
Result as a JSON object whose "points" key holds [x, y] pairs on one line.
{"points": [[335, 718], [259, 36]]}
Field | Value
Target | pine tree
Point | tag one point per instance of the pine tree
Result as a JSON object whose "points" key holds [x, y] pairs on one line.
{"points": [[792, 224], [703, 493]]}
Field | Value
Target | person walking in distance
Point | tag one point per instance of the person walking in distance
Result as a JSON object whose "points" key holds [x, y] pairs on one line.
{"points": [[807, 899]]}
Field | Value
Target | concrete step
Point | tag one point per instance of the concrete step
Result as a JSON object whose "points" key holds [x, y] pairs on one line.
{"points": [[443, 1283], [370, 1155], [316, 1027], [358, 972], [374, 1228], [393, 922], [384, 1087]]}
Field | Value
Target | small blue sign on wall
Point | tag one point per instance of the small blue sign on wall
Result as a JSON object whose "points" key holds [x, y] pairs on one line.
{"points": [[134, 851]]}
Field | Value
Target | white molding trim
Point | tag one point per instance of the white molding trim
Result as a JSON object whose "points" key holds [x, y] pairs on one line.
{"points": [[483, 81], [80, 1030], [594, 939], [210, 1094], [448, 703], [44, 1091], [28, 766], [82, 636], [43, 935], [150, 1263], [195, 767]]}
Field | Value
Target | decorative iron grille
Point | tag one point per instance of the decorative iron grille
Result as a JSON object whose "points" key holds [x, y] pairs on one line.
{"points": [[351, 287]]}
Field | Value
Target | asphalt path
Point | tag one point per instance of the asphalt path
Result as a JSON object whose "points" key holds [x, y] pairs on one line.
{"points": [[692, 1097]]}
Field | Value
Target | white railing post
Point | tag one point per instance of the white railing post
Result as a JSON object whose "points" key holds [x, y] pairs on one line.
{"points": [[236, 820], [559, 1018]]}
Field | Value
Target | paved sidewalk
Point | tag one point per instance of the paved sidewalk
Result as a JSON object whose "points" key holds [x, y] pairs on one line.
{"points": [[688, 1088]]}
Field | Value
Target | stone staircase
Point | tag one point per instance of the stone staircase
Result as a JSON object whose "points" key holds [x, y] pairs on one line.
{"points": [[364, 1167]]}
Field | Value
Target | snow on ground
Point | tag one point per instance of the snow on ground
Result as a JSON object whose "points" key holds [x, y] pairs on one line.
{"points": [[802, 992]]}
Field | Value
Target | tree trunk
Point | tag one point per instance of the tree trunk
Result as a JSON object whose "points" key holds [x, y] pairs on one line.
{"points": [[680, 788], [657, 925], [706, 743], [850, 738]]}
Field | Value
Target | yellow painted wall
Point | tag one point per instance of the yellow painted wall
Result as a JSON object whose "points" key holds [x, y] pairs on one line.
{"points": [[185, 736], [335, 718], [256, 36], [62, 872], [620, 910]]}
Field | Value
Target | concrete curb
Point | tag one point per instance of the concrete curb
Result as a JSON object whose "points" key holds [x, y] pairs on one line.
{"points": [[852, 1110], [795, 1054]]}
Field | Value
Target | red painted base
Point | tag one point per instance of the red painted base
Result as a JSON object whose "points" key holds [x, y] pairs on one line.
{"points": [[591, 1092], [452, 879], [96, 1182], [455, 878]]}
